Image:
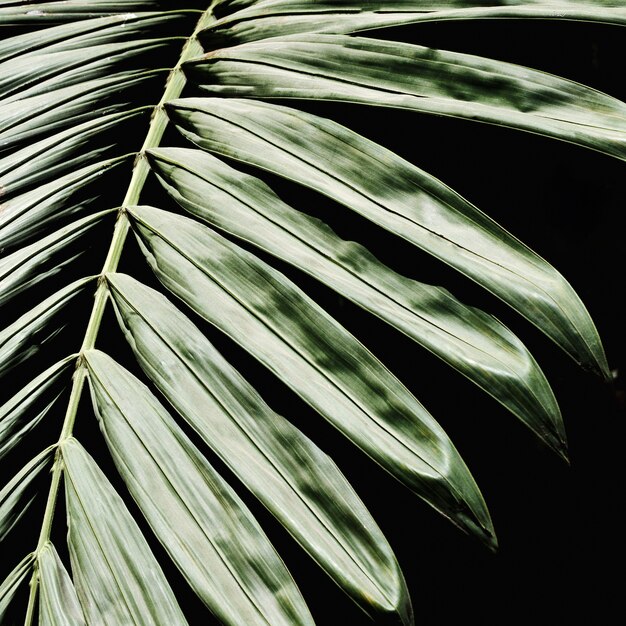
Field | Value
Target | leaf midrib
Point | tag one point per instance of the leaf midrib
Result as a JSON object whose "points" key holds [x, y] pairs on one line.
{"points": [[173, 88]]}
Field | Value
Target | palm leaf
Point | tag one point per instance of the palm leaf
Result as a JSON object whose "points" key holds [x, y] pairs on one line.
{"points": [[208, 531], [117, 578], [246, 207], [87, 91], [324, 364], [242, 22], [286, 471], [17, 494], [59, 602], [399, 197], [390, 74], [12, 583]]}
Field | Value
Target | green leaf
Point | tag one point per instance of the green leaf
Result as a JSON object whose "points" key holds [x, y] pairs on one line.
{"points": [[40, 210], [20, 414], [46, 257], [252, 21], [14, 13], [474, 343], [12, 583], [58, 602], [391, 74], [290, 475], [18, 494], [276, 322], [53, 156], [117, 578], [260, 7], [85, 87], [25, 338], [85, 33], [22, 121], [37, 73], [208, 531], [398, 196]]}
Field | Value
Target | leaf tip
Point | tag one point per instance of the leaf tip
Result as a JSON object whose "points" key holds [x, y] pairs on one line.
{"points": [[478, 524], [554, 437], [561, 449], [490, 541]]}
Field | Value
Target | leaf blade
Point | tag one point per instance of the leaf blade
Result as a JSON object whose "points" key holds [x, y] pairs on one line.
{"points": [[31, 264], [209, 532], [58, 602], [292, 478], [25, 337], [14, 412], [292, 336], [17, 495], [116, 575], [262, 20], [475, 344], [399, 75], [402, 199], [12, 583], [25, 216]]}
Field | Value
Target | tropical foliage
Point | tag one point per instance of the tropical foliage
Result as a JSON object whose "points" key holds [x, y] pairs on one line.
{"points": [[212, 104]]}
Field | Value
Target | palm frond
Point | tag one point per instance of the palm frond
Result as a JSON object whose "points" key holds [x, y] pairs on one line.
{"points": [[115, 573], [241, 22], [87, 93], [398, 75], [58, 599]]}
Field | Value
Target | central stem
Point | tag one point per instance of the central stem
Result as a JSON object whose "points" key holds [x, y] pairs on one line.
{"points": [[175, 83]]}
